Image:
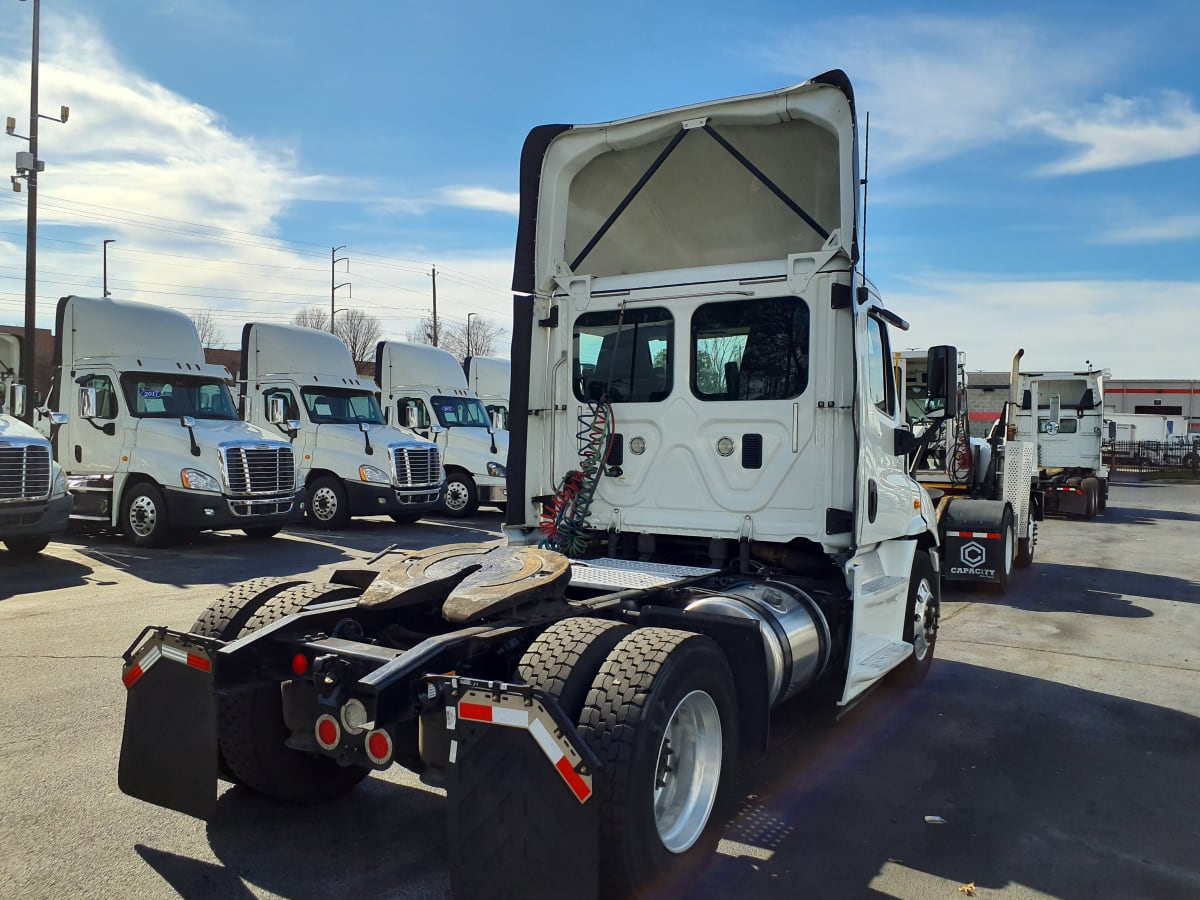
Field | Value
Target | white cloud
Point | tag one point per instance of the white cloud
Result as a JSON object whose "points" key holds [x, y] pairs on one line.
{"points": [[481, 198], [1122, 132], [1156, 231], [1130, 327]]}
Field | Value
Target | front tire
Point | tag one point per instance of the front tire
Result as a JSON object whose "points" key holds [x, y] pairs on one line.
{"points": [[261, 532], [921, 619], [144, 515], [26, 546], [662, 717], [460, 497], [327, 504], [1091, 494]]}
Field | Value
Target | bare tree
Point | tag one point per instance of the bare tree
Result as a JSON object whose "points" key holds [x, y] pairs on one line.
{"points": [[312, 317], [482, 338], [358, 330], [422, 332], [207, 328]]}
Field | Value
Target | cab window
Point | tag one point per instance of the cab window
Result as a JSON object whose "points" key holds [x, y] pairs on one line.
{"points": [[291, 410], [106, 395], [750, 349], [882, 379], [624, 355], [404, 404]]}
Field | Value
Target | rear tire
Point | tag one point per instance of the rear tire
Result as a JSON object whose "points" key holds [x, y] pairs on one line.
{"points": [[1008, 551], [1026, 546], [921, 617], [563, 660], [144, 515], [1090, 487], [26, 546], [1102, 495], [250, 727], [662, 717]]}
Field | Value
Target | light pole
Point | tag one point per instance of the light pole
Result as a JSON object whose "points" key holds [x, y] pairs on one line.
{"points": [[333, 288], [107, 241], [469, 332], [28, 165]]}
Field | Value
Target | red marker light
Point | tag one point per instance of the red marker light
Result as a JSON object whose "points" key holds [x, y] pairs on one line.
{"points": [[379, 747], [328, 732], [300, 664]]}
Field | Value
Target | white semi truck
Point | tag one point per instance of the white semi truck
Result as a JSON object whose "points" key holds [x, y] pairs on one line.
{"points": [[987, 504], [154, 445], [705, 418], [425, 388], [303, 383], [1062, 414], [34, 502], [490, 378]]}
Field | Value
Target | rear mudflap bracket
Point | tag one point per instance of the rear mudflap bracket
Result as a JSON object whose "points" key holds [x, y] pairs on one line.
{"points": [[164, 643]]}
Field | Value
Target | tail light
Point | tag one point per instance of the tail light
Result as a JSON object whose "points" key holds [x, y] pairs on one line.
{"points": [[328, 732], [378, 745]]}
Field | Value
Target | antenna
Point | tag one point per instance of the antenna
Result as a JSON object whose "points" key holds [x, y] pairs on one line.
{"points": [[863, 181]]}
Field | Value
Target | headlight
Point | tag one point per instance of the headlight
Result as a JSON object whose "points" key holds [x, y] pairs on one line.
{"points": [[494, 468], [195, 480], [370, 473], [60, 484]]}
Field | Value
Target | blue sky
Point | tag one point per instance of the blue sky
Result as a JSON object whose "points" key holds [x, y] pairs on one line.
{"points": [[1035, 168]]}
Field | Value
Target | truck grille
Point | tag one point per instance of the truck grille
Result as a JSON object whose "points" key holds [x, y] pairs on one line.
{"points": [[417, 466], [24, 473], [255, 470]]}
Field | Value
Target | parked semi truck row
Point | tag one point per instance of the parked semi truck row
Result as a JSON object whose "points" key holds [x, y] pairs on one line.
{"points": [[710, 510]]}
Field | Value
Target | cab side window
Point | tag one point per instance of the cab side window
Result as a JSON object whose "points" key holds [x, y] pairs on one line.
{"points": [[882, 376], [106, 395], [404, 404], [292, 409]]}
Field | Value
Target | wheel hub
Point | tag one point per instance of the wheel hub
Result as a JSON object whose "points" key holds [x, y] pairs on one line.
{"points": [[688, 772], [324, 504], [925, 620], [143, 516], [456, 495]]}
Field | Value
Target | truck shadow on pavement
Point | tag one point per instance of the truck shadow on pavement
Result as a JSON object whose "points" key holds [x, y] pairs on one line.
{"points": [[21, 575], [1096, 801], [1135, 515]]}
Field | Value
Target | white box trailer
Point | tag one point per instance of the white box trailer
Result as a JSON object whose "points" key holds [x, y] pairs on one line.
{"points": [[704, 417], [490, 377], [35, 504], [351, 462], [154, 445], [425, 388]]}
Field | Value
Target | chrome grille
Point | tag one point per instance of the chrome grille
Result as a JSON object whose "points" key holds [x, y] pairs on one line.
{"points": [[259, 470], [417, 466], [24, 473]]}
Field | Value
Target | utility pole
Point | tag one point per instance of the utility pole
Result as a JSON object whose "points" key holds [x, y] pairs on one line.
{"points": [[433, 274], [107, 241], [28, 165], [335, 259]]}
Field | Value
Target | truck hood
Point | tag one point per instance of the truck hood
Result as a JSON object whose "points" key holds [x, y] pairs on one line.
{"points": [[164, 438], [474, 441], [742, 180], [14, 429], [347, 438]]}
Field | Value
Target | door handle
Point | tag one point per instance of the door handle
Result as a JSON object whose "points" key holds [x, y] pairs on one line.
{"points": [[872, 500]]}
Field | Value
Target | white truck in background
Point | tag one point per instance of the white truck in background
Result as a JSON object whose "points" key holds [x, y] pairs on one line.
{"points": [[1062, 414], [154, 445], [304, 383], [424, 388], [34, 502], [490, 378]]}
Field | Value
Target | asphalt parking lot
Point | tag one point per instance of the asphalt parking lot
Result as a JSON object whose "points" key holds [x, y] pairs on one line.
{"points": [[1058, 738]]}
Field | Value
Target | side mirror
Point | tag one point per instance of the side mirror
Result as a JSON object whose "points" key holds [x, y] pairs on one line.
{"points": [[364, 427], [942, 364], [187, 421], [498, 420], [16, 400], [276, 410], [292, 425], [411, 417], [58, 418], [87, 403], [1055, 409]]}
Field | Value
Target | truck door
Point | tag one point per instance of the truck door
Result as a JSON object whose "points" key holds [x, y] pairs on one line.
{"points": [[884, 503], [93, 446]]}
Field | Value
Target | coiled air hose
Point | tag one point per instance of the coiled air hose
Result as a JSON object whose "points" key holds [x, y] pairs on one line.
{"points": [[565, 517]]}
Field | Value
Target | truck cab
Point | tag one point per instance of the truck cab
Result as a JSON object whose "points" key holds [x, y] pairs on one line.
{"points": [[426, 389], [302, 384], [489, 378], [34, 502], [154, 445]]}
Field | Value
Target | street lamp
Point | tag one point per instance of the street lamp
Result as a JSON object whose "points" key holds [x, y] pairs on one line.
{"points": [[107, 241], [469, 332]]}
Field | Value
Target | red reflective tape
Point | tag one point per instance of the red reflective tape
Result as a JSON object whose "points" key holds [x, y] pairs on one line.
{"points": [[976, 534], [577, 785], [199, 662], [132, 675], [475, 712], [995, 536]]}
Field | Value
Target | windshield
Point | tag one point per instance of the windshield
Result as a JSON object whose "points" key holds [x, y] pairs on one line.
{"points": [[332, 406], [461, 411], [172, 396]]}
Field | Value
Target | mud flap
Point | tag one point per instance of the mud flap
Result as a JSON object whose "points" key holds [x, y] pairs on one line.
{"points": [[169, 746], [523, 817], [972, 542]]}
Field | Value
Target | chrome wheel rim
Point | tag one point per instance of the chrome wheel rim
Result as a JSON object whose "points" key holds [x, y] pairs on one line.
{"points": [[324, 503], [143, 516], [1009, 548], [688, 772], [925, 615], [457, 496]]}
